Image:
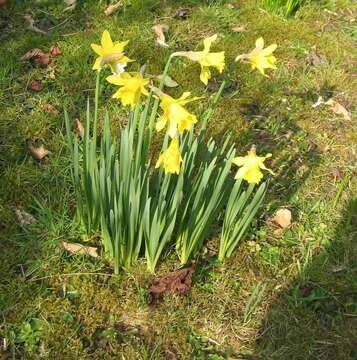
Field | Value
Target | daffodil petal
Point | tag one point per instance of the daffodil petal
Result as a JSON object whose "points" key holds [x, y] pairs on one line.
{"points": [[207, 42], [107, 43], [205, 74], [96, 65], [97, 49]]}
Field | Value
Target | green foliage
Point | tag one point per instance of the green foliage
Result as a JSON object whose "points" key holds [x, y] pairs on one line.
{"points": [[283, 8]]}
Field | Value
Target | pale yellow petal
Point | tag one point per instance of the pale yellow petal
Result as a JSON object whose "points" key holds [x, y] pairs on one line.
{"points": [[269, 50], [207, 42], [107, 42], [97, 49], [96, 65], [259, 44], [205, 74]]}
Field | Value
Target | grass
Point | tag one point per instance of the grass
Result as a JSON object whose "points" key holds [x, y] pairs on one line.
{"points": [[294, 298]]}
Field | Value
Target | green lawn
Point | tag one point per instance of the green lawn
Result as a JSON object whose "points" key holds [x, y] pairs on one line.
{"points": [[293, 297]]}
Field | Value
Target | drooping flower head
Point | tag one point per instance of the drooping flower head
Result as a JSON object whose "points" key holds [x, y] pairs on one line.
{"points": [[175, 115], [260, 58], [132, 86], [251, 166], [205, 58], [171, 158], [110, 54]]}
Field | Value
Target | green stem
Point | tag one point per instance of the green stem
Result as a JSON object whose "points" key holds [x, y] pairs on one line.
{"points": [[96, 105], [210, 110]]}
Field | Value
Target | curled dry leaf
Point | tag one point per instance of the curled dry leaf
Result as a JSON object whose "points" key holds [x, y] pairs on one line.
{"points": [[31, 24], [239, 29], [35, 85], [55, 50], [24, 218], [37, 56], [111, 9], [338, 109], [182, 13], [71, 5], [160, 30], [49, 108], [178, 282], [38, 152], [80, 249], [168, 82], [282, 218], [79, 128]]}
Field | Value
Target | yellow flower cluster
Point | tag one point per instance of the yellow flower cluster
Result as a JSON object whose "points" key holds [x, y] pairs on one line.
{"points": [[175, 117]]}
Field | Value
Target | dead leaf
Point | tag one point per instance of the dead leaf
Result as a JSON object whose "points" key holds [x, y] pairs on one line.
{"points": [[24, 218], [37, 56], [160, 30], [50, 108], [316, 59], [71, 5], [179, 282], [79, 128], [282, 218], [35, 85], [182, 13], [338, 109], [55, 50], [52, 74], [169, 355], [38, 152], [31, 24], [169, 82], [239, 29], [80, 249], [31, 54], [111, 9], [2, 3]]}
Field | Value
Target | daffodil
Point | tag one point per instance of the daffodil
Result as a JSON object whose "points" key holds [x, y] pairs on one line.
{"points": [[251, 166], [111, 54], [171, 158], [259, 57], [132, 86], [175, 115], [205, 58]]}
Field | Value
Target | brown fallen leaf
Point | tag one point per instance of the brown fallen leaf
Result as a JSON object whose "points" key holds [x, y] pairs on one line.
{"points": [[2, 3], [24, 218], [160, 30], [111, 9], [80, 249], [239, 29], [55, 50], [182, 13], [79, 128], [31, 24], [179, 282], [169, 355], [316, 59], [38, 152], [282, 218], [35, 85], [49, 108], [338, 109], [52, 74], [31, 54]]}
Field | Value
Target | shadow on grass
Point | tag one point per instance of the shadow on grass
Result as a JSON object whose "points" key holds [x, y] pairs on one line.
{"points": [[316, 316]]}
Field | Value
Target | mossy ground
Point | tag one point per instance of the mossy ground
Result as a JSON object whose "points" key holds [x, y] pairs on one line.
{"points": [[296, 298]]}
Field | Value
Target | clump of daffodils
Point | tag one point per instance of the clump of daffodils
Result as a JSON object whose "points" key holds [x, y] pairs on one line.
{"points": [[134, 204]]}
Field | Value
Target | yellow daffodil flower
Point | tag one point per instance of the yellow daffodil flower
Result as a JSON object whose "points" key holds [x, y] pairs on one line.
{"points": [[171, 158], [251, 165], [259, 57], [110, 53], [177, 117], [132, 86], [205, 58]]}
